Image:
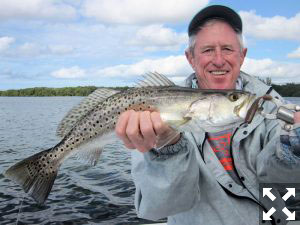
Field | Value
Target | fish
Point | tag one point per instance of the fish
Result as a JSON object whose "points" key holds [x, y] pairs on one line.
{"points": [[89, 126]]}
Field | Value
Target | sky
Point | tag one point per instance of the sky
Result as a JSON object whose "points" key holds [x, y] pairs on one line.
{"points": [[59, 43]]}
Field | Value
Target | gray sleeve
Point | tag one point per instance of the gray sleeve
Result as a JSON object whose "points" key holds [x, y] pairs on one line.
{"points": [[279, 162], [166, 181]]}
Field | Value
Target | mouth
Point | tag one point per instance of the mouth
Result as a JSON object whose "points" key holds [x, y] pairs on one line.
{"points": [[218, 72]]}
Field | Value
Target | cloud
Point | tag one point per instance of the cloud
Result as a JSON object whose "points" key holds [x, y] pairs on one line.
{"points": [[69, 73], [60, 49], [178, 69], [175, 66], [156, 37], [278, 71], [294, 54], [29, 50], [276, 27], [36, 10], [5, 43], [141, 11]]}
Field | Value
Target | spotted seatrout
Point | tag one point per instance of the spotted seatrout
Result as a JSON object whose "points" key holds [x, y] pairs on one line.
{"points": [[89, 126]]}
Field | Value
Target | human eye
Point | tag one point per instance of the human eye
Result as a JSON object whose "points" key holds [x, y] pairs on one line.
{"points": [[227, 50], [207, 51]]}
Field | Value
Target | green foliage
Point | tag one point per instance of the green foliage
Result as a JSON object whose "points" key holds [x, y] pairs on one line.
{"points": [[288, 90], [44, 91]]}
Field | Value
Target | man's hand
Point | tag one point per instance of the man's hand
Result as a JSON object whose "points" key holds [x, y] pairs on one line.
{"points": [[140, 130], [297, 117]]}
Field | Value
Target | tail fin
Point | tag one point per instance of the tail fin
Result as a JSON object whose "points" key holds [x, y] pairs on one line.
{"points": [[34, 176]]}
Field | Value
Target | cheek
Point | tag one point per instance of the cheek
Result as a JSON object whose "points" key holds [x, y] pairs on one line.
{"points": [[200, 64]]}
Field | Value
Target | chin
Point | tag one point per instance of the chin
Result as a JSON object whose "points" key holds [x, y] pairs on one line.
{"points": [[222, 86]]}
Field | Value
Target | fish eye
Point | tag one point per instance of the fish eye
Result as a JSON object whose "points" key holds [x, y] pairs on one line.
{"points": [[233, 97]]}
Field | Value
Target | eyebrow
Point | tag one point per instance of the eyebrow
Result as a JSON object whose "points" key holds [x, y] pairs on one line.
{"points": [[213, 46], [207, 46]]}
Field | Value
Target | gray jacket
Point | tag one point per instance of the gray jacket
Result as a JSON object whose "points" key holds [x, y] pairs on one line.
{"points": [[187, 184]]}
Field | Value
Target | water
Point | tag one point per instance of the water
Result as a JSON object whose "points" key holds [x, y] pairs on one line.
{"points": [[81, 194]]}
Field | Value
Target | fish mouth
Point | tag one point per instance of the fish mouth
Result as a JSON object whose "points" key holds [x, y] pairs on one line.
{"points": [[242, 110], [251, 109]]}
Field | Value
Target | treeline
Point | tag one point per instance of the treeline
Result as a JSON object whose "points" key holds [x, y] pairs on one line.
{"points": [[288, 90], [44, 91], [285, 90]]}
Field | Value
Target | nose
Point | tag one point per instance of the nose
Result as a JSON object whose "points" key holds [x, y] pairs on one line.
{"points": [[218, 59]]}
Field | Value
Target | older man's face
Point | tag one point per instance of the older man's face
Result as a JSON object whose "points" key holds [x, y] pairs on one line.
{"points": [[217, 56]]}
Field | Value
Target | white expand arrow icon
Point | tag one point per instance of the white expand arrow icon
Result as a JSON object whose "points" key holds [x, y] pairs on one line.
{"points": [[291, 191], [291, 216], [267, 191], [267, 216]]}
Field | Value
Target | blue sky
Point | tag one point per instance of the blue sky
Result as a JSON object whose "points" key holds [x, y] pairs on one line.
{"points": [[52, 43]]}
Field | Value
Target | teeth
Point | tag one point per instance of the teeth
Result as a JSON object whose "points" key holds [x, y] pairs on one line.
{"points": [[218, 72]]}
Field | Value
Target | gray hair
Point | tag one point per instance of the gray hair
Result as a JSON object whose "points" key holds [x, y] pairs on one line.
{"points": [[192, 38]]}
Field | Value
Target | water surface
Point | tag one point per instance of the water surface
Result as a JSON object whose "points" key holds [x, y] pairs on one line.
{"points": [[81, 194]]}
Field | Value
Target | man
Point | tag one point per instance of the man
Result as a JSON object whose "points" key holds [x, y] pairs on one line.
{"points": [[211, 178]]}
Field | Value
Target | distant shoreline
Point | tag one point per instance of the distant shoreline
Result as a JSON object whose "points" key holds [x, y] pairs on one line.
{"points": [[286, 90], [45, 91]]}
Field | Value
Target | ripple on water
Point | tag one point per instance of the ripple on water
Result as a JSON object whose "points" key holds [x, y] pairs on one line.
{"points": [[81, 194]]}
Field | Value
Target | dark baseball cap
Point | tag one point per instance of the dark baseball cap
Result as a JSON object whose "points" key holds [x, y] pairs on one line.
{"points": [[215, 11]]}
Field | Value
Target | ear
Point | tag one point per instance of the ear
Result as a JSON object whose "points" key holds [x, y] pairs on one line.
{"points": [[243, 55], [190, 58]]}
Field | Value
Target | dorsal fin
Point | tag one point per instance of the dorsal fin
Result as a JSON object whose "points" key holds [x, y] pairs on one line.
{"points": [[155, 79], [80, 110]]}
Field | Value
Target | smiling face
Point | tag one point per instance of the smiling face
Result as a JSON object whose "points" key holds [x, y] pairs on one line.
{"points": [[217, 56]]}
